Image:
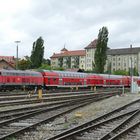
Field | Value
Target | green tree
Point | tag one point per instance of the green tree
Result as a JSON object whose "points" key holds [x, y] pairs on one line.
{"points": [[46, 61], [37, 53], [24, 64], [134, 71], [120, 72], [93, 66], [45, 66], [101, 48], [59, 68]]}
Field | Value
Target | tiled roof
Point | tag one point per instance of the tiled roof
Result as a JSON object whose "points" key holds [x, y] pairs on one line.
{"points": [[7, 63], [7, 58], [123, 51], [92, 44], [64, 49], [69, 53]]}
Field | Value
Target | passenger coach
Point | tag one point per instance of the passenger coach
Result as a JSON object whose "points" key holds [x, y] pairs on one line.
{"points": [[64, 79]]}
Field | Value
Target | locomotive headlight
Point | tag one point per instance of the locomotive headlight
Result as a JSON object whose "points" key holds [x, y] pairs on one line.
{"points": [[18, 79]]}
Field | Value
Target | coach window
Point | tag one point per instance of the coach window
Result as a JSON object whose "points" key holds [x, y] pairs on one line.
{"points": [[60, 75], [55, 81], [0, 73]]}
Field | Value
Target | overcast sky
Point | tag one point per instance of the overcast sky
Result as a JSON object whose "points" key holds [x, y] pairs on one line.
{"points": [[74, 23]]}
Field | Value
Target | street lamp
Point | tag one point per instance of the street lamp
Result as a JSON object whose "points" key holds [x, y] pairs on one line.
{"points": [[17, 42]]}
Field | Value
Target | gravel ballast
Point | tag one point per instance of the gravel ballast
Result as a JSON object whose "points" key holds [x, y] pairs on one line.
{"points": [[79, 116]]}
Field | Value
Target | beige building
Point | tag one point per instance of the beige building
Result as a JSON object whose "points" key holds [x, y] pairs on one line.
{"points": [[90, 51], [117, 59], [68, 59], [120, 59]]}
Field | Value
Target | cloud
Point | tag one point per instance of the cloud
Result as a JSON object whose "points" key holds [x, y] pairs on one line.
{"points": [[75, 23]]}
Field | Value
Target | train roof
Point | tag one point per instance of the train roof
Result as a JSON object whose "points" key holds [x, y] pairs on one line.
{"points": [[20, 72], [112, 76], [65, 73], [61, 72]]}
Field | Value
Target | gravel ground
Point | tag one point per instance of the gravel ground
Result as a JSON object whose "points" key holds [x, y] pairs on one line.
{"points": [[79, 116]]}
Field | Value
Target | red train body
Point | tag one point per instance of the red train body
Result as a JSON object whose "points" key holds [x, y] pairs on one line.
{"points": [[74, 79], [15, 79]]}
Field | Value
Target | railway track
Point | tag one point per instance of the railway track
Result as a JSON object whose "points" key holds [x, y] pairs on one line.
{"points": [[44, 99], [131, 133], [52, 98], [34, 96], [14, 126], [109, 126], [56, 92], [23, 110], [24, 93]]}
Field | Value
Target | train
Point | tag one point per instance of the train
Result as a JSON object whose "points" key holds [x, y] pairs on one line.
{"points": [[50, 79]]}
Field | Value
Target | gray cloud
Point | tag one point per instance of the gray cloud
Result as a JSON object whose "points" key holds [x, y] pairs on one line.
{"points": [[74, 22]]}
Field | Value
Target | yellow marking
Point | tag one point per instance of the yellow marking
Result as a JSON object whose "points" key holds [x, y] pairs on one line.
{"points": [[40, 94], [78, 115]]}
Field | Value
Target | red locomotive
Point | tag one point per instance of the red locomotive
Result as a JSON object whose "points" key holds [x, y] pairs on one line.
{"points": [[16, 79]]}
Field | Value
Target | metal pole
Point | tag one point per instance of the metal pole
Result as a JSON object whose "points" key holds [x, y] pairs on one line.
{"points": [[109, 70], [131, 71], [17, 58], [17, 54]]}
